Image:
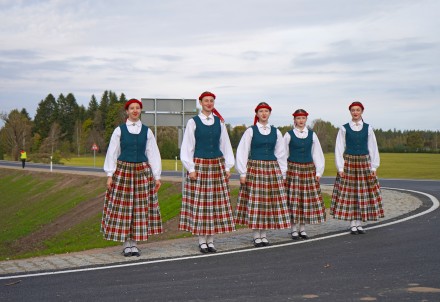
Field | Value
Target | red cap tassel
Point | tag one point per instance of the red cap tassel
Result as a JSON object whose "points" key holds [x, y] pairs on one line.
{"points": [[255, 119], [214, 111]]}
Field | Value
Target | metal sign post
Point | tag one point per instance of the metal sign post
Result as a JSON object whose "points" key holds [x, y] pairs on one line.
{"points": [[168, 112], [94, 148]]}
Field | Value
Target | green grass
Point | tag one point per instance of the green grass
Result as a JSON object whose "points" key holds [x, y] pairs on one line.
{"points": [[393, 165], [31, 200], [398, 165]]}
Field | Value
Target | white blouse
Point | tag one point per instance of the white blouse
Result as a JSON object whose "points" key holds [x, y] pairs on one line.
{"points": [[189, 143], [372, 146], [151, 150], [244, 148], [317, 154]]}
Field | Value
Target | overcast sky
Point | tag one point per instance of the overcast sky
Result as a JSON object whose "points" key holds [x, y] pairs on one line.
{"points": [[315, 55]]}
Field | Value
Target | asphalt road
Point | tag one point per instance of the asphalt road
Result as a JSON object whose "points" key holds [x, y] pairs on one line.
{"points": [[399, 262]]}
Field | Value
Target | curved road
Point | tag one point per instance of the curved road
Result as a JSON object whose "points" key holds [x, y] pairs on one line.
{"points": [[399, 262]]}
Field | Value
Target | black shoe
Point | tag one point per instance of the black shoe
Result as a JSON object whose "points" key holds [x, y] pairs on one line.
{"points": [[360, 231], [354, 231], [265, 243], [127, 252], [136, 253], [294, 237], [303, 235], [212, 249], [203, 250], [259, 244]]}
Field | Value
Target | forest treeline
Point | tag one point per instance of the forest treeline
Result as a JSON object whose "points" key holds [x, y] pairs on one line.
{"points": [[61, 128]]}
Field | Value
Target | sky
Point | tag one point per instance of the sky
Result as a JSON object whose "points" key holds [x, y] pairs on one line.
{"points": [[316, 55]]}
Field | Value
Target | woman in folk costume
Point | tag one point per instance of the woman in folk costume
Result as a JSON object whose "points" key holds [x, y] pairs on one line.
{"points": [[305, 166], [261, 162], [206, 153], [133, 166], [356, 194]]}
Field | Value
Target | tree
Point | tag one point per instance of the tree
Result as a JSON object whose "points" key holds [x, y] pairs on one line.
{"points": [[93, 107], [415, 140], [67, 116], [47, 114], [326, 133], [16, 134]]}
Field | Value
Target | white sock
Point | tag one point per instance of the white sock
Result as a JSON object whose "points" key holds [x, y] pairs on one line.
{"points": [[202, 241], [263, 235], [358, 225], [352, 223], [133, 243], [302, 227], [293, 228], [127, 243], [256, 234], [210, 240]]}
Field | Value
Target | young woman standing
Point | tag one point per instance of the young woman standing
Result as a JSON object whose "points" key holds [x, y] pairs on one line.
{"points": [[261, 162], [356, 194], [206, 153], [305, 166], [133, 166]]}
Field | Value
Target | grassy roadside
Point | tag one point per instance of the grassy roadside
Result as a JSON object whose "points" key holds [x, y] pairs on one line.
{"points": [[40, 213], [33, 202]]}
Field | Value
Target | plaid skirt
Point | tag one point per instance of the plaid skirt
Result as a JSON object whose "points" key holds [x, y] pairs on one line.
{"points": [[304, 194], [262, 201], [131, 208], [357, 195], [206, 201]]}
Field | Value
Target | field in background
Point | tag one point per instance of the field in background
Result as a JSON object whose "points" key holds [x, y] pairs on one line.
{"points": [[393, 165]]}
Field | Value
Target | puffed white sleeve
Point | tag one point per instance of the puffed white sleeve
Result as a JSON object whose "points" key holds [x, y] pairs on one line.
{"points": [[318, 156], [280, 153], [153, 154], [340, 149], [373, 149], [243, 150], [113, 152], [226, 148], [188, 146]]}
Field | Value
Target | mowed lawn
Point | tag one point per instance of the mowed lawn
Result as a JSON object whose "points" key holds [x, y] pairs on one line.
{"points": [[393, 165]]}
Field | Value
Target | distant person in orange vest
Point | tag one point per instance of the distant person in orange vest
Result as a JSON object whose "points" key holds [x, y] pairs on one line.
{"points": [[23, 158], [133, 166]]}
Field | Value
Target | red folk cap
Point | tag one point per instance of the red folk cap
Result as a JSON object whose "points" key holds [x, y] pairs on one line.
{"points": [[356, 104], [131, 101], [206, 93], [300, 114]]}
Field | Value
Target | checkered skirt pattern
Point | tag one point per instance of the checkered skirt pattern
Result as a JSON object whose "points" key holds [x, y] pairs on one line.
{"points": [[206, 201], [262, 202], [304, 194], [357, 195], [131, 208]]}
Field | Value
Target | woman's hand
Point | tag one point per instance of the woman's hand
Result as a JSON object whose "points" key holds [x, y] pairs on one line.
{"points": [[192, 175], [317, 178], [109, 182], [341, 174], [157, 187], [243, 180]]}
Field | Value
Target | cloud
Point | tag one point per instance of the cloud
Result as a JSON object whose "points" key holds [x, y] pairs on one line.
{"points": [[317, 55]]}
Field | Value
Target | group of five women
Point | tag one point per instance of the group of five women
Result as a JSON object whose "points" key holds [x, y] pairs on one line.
{"points": [[279, 178]]}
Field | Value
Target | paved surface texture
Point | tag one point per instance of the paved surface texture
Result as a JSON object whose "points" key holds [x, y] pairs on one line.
{"points": [[396, 204]]}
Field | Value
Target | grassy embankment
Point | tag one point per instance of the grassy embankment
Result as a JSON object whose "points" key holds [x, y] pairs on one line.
{"points": [[41, 211]]}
